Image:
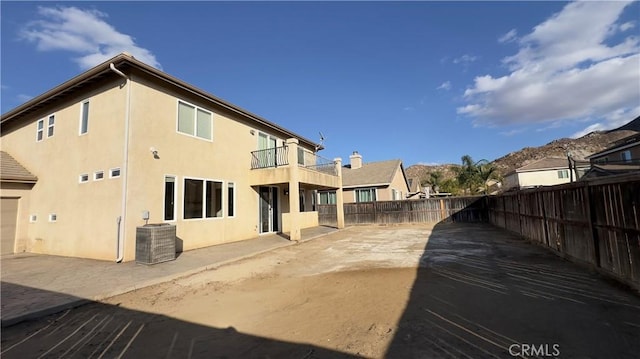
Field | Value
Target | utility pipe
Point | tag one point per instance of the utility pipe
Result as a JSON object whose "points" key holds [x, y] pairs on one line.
{"points": [[125, 170]]}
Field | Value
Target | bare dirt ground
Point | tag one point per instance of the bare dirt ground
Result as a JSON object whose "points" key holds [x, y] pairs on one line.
{"points": [[407, 291]]}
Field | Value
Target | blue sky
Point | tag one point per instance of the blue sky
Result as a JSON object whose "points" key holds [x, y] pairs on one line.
{"points": [[426, 82]]}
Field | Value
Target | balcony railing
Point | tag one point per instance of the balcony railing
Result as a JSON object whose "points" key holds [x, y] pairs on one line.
{"points": [[320, 164], [271, 157], [278, 156]]}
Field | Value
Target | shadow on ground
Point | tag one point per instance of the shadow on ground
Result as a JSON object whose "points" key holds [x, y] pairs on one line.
{"points": [[106, 331], [482, 292], [479, 292]]}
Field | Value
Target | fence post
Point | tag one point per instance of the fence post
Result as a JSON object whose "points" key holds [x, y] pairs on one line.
{"points": [[591, 215]]}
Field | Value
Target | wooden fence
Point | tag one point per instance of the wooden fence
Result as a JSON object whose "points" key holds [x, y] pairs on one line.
{"points": [[432, 210], [595, 222]]}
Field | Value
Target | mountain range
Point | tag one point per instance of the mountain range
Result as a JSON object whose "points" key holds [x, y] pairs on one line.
{"points": [[579, 148]]}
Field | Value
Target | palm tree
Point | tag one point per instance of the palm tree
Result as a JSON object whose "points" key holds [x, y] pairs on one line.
{"points": [[473, 176]]}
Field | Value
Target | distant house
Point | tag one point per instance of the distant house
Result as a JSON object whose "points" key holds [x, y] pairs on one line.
{"points": [[547, 171], [370, 182], [622, 157]]}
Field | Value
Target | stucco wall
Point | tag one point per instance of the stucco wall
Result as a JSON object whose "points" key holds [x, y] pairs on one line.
{"points": [[86, 212], [541, 178]]}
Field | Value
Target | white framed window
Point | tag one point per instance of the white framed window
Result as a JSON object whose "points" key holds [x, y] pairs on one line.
{"points": [[194, 121], [33, 218], [326, 198], [84, 117], [170, 192], [53, 217], [626, 156], [365, 195], [39, 130], [114, 172], [202, 199], [50, 125], [83, 178], [563, 173], [231, 199], [98, 175]]}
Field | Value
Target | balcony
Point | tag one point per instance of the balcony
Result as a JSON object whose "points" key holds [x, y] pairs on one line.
{"points": [[275, 165]]}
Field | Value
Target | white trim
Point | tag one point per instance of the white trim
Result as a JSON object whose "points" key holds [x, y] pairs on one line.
{"points": [[33, 218], [367, 185], [204, 202], [95, 175], [235, 203], [195, 120], [115, 169], [82, 175], [53, 217], [40, 121], [175, 197], [80, 133], [50, 126], [355, 193]]}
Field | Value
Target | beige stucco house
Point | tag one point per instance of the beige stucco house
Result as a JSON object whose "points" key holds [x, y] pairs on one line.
{"points": [[547, 171], [124, 144], [368, 182]]}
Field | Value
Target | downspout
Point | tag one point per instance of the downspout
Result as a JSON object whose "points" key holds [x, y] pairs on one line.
{"points": [[125, 169]]}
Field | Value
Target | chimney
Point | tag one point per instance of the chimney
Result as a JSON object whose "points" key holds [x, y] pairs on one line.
{"points": [[355, 160]]}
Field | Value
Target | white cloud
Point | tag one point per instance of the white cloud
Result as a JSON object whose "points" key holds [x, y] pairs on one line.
{"points": [[83, 32], [563, 71], [23, 97], [611, 121], [509, 36], [465, 59], [627, 26], [445, 86]]}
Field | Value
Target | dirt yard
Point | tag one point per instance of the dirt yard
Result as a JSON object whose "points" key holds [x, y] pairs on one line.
{"points": [[406, 291]]}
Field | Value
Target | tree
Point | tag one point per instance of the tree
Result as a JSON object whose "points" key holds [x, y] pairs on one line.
{"points": [[473, 176]]}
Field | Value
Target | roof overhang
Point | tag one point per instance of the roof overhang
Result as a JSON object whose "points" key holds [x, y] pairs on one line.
{"points": [[126, 63]]}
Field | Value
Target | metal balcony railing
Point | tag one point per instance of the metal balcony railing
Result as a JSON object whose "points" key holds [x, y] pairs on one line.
{"points": [[270, 157], [320, 164]]}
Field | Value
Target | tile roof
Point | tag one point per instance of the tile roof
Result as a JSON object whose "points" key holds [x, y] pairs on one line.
{"points": [[12, 171], [374, 173], [547, 163]]}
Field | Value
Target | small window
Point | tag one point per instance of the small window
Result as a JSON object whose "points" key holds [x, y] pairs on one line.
{"points": [[51, 124], [231, 199], [40, 130], [53, 217], [114, 173], [98, 175], [563, 174], [84, 178], [84, 118], [626, 156], [33, 218], [169, 198]]}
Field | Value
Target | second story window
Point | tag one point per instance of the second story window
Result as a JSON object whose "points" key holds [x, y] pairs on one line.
{"points": [[40, 130], [194, 121], [51, 124], [626, 156], [84, 118]]}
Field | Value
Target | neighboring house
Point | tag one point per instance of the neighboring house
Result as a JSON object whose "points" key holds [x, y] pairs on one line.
{"points": [[416, 191], [622, 157], [15, 186], [368, 182], [124, 144], [547, 171]]}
